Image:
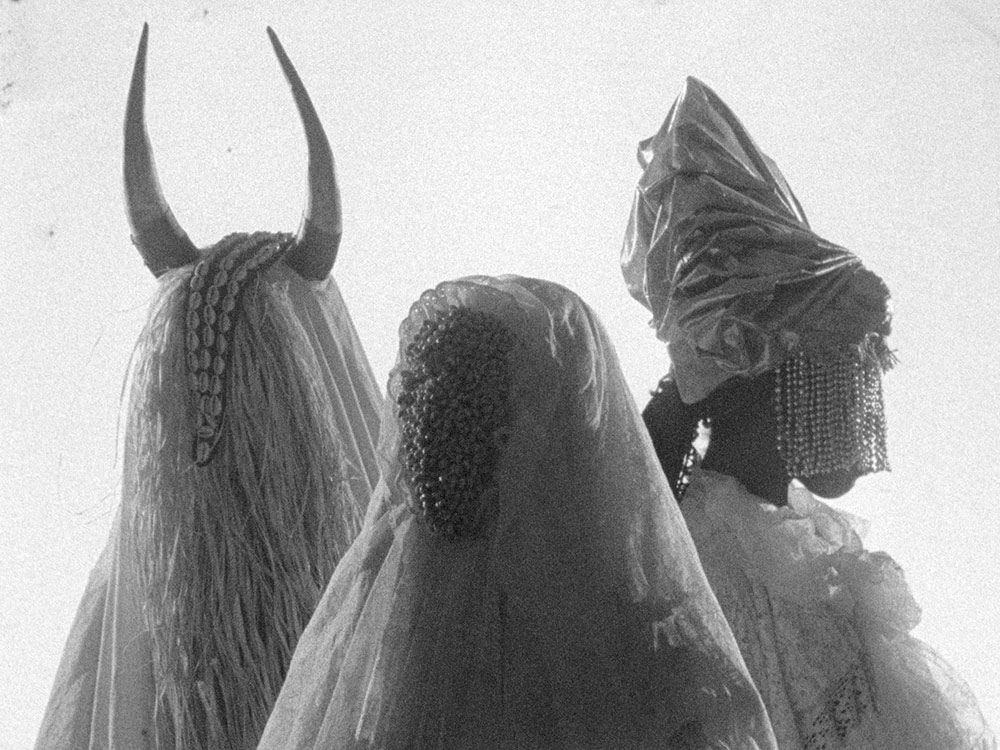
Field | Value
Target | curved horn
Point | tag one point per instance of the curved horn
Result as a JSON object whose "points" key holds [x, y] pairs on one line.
{"points": [[155, 233], [319, 234]]}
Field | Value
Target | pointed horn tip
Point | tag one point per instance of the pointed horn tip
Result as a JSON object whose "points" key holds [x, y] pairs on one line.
{"points": [[276, 43], [143, 39], [155, 233], [136, 102], [139, 67], [287, 67]]}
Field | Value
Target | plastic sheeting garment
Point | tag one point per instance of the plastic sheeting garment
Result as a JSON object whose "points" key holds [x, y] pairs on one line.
{"points": [[719, 250], [106, 692], [577, 617]]}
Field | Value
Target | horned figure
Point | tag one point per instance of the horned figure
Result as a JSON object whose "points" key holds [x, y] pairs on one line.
{"points": [[249, 462]]}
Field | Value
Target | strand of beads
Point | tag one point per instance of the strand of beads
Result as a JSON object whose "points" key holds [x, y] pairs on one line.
{"points": [[215, 289], [830, 414], [875, 428]]}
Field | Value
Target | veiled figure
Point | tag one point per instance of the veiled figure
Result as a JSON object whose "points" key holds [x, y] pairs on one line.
{"points": [[778, 340], [249, 462], [524, 578]]}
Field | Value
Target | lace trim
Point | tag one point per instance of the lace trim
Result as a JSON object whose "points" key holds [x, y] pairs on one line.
{"points": [[847, 711]]}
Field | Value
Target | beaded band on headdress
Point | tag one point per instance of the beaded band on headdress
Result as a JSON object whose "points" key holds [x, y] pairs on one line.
{"points": [[213, 310]]}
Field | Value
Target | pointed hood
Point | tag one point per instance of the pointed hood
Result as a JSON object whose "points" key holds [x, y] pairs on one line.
{"points": [[720, 251]]}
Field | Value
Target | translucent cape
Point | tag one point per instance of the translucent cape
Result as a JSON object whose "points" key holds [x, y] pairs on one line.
{"points": [[720, 251], [106, 693], [578, 618]]}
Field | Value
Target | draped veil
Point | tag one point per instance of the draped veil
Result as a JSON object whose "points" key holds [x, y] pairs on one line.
{"points": [[578, 616]]}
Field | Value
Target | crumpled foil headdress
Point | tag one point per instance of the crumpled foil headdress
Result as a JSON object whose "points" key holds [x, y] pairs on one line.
{"points": [[719, 250]]}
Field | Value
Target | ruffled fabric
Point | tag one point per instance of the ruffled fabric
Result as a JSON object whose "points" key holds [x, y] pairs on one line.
{"points": [[106, 694], [578, 617], [823, 625]]}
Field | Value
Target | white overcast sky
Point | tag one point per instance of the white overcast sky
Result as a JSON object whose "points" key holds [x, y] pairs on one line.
{"points": [[492, 137]]}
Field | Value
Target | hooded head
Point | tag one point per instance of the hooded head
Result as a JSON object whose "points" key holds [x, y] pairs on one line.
{"points": [[719, 250]]}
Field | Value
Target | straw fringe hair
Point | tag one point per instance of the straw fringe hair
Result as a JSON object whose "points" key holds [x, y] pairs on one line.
{"points": [[233, 557]]}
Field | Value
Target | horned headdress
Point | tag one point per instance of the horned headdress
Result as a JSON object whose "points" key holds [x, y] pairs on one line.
{"points": [[221, 271], [249, 461]]}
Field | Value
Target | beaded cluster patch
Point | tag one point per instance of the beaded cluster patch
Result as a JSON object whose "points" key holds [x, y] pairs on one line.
{"points": [[452, 401], [213, 309]]}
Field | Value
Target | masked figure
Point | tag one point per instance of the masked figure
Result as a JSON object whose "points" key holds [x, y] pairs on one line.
{"points": [[249, 462], [523, 579], [777, 342]]}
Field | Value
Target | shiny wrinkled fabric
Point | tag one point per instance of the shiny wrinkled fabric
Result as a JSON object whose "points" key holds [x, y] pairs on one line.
{"points": [[105, 692], [720, 251], [577, 617]]}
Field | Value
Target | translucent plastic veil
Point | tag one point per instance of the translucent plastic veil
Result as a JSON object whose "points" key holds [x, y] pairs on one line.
{"points": [[297, 373], [577, 616]]}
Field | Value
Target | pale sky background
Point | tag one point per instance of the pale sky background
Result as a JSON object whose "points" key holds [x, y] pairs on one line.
{"points": [[492, 137]]}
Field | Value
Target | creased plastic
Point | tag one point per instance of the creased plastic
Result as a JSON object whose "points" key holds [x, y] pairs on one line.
{"points": [[579, 616], [719, 250]]}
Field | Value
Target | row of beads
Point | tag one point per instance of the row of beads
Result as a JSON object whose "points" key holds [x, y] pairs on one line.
{"points": [[831, 415], [213, 297], [453, 400]]}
